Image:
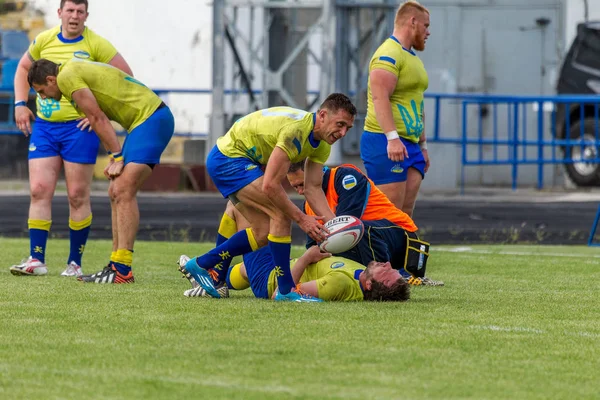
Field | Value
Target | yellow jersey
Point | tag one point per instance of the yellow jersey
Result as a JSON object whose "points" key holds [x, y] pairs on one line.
{"points": [[256, 135], [407, 98], [52, 46], [122, 98], [337, 279]]}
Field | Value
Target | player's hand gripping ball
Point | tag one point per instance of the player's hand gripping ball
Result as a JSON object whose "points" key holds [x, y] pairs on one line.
{"points": [[345, 233]]}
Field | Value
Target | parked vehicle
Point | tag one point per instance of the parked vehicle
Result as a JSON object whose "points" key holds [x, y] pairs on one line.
{"points": [[580, 74]]}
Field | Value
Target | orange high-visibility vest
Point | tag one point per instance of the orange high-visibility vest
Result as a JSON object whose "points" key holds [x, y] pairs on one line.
{"points": [[378, 205]]}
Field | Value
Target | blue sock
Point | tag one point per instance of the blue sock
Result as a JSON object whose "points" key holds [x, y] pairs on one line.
{"points": [[38, 237], [222, 267], [241, 243], [281, 247], [78, 233]]}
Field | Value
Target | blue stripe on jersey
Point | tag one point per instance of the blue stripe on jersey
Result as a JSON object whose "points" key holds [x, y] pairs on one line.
{"points": [[395, 40], [297, 144], [388, 59], [366, 198]]}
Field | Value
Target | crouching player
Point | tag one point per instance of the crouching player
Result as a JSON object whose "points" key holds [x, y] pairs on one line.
{"points": [[104, 93]]}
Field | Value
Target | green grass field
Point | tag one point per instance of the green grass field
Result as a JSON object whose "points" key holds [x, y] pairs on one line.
{"points": [[512, 322]]}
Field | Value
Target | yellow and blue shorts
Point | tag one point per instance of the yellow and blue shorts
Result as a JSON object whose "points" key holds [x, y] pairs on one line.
{"points": [[259, 265], [64, 139], [231, 174], [146, 143]]}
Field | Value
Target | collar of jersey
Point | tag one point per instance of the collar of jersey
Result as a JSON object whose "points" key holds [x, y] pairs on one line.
{"points": [[65, 40], [311, 137], [403, 48], [356, 276]]}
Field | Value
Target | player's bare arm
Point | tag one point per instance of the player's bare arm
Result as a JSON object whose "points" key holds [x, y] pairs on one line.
{"points": [[23, 115], [383, 84], [313, 189], [276, 170], [312, 255], [118, 61], [423, 146]]}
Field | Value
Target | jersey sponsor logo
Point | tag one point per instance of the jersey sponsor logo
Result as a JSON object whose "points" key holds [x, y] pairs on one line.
{"points": [[337, 264], [32, 147], [397, 169], [349, 182], [82, 54], [250, 167], [412, 121], [48, 106]]}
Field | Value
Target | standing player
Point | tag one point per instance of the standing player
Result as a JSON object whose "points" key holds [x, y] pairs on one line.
{"points": [[60, 137], [393, 146], [104, 93], [273, 137]]}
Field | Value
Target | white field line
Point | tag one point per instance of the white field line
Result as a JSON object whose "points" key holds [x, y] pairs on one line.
{"points": [[510, 253]]}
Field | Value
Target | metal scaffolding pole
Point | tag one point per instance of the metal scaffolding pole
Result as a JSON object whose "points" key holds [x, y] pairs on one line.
{"points": [[294, 52]]}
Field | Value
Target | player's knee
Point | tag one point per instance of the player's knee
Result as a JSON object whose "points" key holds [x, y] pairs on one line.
{"points": [[40, 191], [118, 191], [78, 195]]}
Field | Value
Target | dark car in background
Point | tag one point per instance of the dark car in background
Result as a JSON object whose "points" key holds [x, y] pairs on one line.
{"points": [[580, 74]]}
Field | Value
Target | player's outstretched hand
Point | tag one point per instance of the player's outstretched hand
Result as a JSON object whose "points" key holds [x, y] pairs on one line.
{"points": [[83, 124], [113, 169], [314, 254], [314, 228], [23, 118], [396, 150]]}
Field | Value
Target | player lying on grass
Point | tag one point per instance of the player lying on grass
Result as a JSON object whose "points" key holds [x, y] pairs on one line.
{"points": [[315, 273], [390, 234], [318, 274]]}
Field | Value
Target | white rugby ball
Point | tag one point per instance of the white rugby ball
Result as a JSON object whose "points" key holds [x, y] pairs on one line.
{"points": [[345, 232]]}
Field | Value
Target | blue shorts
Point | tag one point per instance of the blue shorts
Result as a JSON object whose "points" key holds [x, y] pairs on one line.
{"points": [[64, 139], [259, 265], [231, 174], [382, 170], [146, 143]]}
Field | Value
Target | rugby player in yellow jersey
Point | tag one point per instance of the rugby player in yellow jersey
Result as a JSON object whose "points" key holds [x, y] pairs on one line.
{"points": [[59, 136], [315, 273], [104, 93], [393, 146], [274, 138]]}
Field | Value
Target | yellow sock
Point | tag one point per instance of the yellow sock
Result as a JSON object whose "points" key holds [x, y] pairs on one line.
{"points": [[236, 280]]}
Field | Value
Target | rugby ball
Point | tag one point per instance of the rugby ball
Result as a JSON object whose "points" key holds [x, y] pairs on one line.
{"points": [[345, 232]]}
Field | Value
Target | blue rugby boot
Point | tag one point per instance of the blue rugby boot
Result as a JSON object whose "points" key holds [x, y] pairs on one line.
{"points": [[202, 277], [296, 295]]}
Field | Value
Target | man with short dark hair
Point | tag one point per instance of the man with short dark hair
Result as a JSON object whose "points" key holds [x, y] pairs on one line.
{"points": [[104, 93], [273, 138], [60, 136]]}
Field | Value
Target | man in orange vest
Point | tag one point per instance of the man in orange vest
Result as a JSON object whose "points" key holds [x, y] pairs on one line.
{"points": [[390, 234]]}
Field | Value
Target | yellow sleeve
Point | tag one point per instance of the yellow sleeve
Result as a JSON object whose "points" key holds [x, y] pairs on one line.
{"points": [[289, 140], [103, 50], [68, 82], [387, 60], [335, 286], [321, 154], [35, 48]]}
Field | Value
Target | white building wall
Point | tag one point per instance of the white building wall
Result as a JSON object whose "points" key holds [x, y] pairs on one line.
{"points": [[167, 45]]}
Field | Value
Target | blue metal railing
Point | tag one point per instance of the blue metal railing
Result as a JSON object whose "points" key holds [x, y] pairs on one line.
{"points": [[527, 138], [490, 129]]}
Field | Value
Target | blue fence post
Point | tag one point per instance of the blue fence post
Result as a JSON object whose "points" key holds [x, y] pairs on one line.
{"points": [[540, 125], [515, 151], [464, 147]]}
